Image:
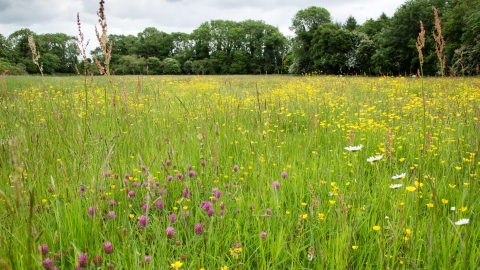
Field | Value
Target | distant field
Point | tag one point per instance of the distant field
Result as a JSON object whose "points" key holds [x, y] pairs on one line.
{"points": [[239, 172]]}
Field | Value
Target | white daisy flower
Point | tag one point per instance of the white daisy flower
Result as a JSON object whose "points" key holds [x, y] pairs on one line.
{"points": [[396, 186], [398, 176], [354, 148], [453, 208], [462, 221], [373, 159]]}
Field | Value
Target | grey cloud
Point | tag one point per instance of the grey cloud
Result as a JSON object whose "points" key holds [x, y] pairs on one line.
{"points": [[132, 17]]}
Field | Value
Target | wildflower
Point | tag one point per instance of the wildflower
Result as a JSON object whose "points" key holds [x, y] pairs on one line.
{"points": [[376, 228], [321, 216], [204, 163], [452, 208], [199, 228], [374, 158], [206, 205], [399, 176], [169, 178], [106, 174], [43, 249], [444, 201], [186, 193], [224, 268], [176, 265], [97, 260], [268, 211], [287, 212], [462, 221], [331, 202], [112, 203], [83, 260], [131, 215], [108, 248], [354, 148], [354, 247], [173, 218], [142, 221], [411, 189], [284, 174], [304, 216], [144, 207], [168, 162], [160, 205], [179, 176], [217, 193], [170, 231], [235, 252], [191, 173], [430, 205], [395, 186], [147, 258], [263, 235], [275, 184], [408, 231], [111, 215], [131, 194], [464, 209], [210, 212], [458, 168], [48, 264], [91, 211]]}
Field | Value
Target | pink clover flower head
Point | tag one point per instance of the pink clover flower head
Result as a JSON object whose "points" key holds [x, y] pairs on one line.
{"points": [[170, 231], [142, 221], [108, 248]]}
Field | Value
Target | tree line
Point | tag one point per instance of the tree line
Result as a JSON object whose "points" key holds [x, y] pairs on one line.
{"points": [[385, 45]]}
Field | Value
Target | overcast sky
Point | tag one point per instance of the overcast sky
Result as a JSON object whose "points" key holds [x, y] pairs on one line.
{"points": [[133, 16]]}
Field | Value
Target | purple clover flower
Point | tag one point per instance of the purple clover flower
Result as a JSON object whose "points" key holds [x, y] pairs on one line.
{"points": [[170, 231]]}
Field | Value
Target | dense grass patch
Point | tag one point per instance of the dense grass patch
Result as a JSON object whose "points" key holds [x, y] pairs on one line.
{"points": [[245, 172]]}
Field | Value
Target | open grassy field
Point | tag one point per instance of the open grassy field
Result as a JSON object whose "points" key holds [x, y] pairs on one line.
{"points": [[239, 172]]}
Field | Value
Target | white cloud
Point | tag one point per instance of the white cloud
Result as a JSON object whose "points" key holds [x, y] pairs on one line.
{"points": [[132, 17]]}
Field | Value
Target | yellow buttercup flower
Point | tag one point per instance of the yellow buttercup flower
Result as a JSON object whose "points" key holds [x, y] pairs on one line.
{"points": [[176, 265]]}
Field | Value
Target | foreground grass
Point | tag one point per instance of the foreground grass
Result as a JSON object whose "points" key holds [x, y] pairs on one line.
{"points": [[134, 162]]}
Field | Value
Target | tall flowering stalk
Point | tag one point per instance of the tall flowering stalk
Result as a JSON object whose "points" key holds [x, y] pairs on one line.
{"points": [[439, 41], [35, 54], [420, 44], [81, 48], [102, 39]]}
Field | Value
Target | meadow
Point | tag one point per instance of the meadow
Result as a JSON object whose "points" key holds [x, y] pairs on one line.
{"points": [[239, 172]]}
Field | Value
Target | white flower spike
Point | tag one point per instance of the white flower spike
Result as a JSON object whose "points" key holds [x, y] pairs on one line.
{"points": [[399, 176], [354, 148], [462, 221], [373, 159]]}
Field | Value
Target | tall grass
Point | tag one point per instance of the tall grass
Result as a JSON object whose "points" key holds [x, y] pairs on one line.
{"points": [[268, 153]]}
